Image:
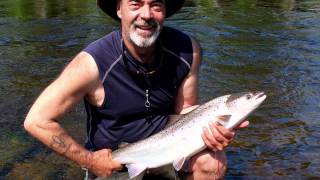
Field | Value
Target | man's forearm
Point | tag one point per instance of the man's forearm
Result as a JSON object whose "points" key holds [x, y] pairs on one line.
{"points": [[52, 135]]}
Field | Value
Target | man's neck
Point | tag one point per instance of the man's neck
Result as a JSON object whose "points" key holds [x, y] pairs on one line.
{"points": [[144, 55]]}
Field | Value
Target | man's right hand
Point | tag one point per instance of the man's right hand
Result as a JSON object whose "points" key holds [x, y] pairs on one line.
{"points": [[102, 164]]}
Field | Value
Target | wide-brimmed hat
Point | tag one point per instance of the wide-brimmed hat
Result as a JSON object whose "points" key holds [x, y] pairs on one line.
{"points": [[110, 7]]}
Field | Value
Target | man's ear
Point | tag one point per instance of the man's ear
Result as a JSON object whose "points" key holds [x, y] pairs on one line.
{"points": [[119, 11]]}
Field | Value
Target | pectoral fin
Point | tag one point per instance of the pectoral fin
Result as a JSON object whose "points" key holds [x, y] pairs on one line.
{"points": [[223, 119], [178, 163], [135, 170]]}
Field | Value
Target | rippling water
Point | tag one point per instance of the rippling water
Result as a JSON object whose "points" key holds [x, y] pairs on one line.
{"points": [[269, 45]]}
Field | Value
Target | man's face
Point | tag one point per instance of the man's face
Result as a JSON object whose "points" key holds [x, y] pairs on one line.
{"points": [[141, 20]]}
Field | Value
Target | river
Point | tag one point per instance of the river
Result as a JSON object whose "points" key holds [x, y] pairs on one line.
{"points": [[269, 45]]}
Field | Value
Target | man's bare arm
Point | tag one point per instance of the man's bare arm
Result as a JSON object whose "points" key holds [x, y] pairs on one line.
{"points": [[188, 91], [188, 97], [78, 79]]}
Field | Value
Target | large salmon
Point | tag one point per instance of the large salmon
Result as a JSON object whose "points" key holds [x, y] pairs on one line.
{"points": [[182, 139]]}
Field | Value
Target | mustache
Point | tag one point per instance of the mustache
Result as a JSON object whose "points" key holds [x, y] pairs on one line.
{"points": [[153, 23]]}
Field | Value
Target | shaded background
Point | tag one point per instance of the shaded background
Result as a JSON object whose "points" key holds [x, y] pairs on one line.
{"points": [[269, 45]]}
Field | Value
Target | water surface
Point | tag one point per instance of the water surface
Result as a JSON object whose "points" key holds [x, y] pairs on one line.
{"points": [[269, 45]]}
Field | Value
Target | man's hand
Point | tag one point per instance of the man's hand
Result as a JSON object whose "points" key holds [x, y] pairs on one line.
{"points": [[102, 164], [217, 137]]}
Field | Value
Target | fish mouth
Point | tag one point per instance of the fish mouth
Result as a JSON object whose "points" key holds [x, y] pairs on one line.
{"points": [[260, 96]]}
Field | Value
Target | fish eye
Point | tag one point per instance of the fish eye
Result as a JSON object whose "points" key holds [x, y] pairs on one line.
{"points": [[248, 96]]}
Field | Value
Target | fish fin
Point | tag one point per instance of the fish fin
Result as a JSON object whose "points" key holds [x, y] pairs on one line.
{"points": [[135, 170], [123, 144], [223, 119], [189, 109], [178, 163], [173, 119], [139, 177]]}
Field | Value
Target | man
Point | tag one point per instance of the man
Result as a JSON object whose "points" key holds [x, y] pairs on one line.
{"points": [[131, 80]]}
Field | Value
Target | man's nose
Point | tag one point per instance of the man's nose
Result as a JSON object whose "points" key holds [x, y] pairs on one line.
{"points": [[146, 12]]}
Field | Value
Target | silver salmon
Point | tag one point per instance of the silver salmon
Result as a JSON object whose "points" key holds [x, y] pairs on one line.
{"points": [[182, 139]]}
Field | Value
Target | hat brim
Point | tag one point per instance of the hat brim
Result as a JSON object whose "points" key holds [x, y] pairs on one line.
{"points": [[110, 7]]}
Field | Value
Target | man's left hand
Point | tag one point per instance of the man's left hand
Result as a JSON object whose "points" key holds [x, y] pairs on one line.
{"points": [[217, 137]]}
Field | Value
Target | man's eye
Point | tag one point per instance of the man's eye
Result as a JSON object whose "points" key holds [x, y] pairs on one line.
{"points": [[134, 3], [157, 6]]}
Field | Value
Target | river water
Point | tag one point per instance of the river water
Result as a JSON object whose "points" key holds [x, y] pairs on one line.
{"points": [[269, 45]]}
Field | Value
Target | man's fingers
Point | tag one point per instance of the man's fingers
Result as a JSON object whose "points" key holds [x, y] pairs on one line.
{"points": [[225, 133], [221, 134], [117, 166], [211, 146], [244, 124], [104, 165], [207, 142], [211, 139]]}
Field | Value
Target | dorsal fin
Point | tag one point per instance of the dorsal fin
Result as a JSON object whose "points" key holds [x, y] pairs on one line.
{"points": [[189, 109], [175, 117]]}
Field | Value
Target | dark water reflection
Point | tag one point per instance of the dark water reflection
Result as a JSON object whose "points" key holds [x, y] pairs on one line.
{"points": [[270, 45]]}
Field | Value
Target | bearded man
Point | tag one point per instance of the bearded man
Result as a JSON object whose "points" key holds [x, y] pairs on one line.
{"points": [[130, 80]]}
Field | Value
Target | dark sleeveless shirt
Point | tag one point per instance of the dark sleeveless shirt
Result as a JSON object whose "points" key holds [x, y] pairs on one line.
{"points": [[123, 116]]}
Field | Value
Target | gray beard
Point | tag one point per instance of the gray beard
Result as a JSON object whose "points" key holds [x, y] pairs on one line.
{"points": [[143, 42]]}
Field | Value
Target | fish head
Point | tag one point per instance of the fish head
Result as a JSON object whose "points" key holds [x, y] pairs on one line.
{"points": [[244, 103]]}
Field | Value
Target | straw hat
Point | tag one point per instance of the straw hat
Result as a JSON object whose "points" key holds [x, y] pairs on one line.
{"points": [[110, 7]]}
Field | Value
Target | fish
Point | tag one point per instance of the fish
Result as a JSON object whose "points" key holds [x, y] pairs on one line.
{"points": [[181, 139]]}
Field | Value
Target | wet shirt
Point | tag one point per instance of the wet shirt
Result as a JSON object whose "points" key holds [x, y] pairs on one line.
{"points": [[138, 97]]}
